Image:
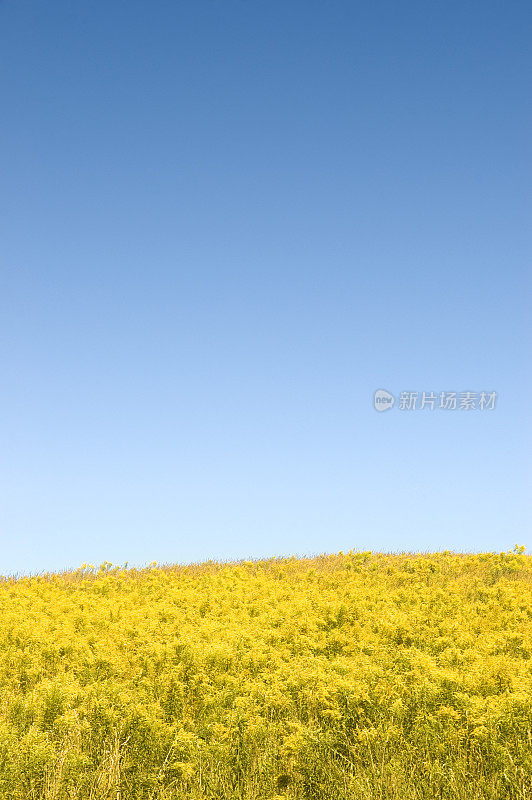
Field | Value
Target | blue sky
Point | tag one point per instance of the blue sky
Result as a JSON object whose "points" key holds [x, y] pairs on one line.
{"points": [[223, 226]]}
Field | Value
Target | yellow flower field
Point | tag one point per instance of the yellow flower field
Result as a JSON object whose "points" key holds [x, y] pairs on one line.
{"points": [[351, 676]]}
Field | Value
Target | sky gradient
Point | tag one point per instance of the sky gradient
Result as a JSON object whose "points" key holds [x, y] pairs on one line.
{"points": [[223, 226]]}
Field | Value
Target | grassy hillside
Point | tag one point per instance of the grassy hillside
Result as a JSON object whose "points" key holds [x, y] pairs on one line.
{"points": [[349, 676]]}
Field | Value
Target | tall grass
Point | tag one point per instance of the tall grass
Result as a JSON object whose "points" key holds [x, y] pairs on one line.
{"points": [[355, 675]]}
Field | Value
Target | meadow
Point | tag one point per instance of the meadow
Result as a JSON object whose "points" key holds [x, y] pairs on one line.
{"points": [[354, 676]]}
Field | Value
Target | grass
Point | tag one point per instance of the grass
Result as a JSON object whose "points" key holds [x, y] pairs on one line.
{"points": [[357, 675]]}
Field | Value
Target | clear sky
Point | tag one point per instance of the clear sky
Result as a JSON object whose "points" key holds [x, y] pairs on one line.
{"points": [[223, 226]]}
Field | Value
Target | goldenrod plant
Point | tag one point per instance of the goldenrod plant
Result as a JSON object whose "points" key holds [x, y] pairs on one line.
{"points": [[354, 676]]}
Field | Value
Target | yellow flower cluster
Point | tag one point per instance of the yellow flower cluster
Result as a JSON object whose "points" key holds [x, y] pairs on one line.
{"points": [[348, 676]]}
